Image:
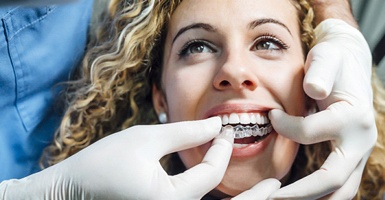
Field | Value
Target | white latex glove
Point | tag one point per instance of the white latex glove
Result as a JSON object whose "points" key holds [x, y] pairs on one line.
{"points": [[338, 76], [126, 165], [261, 191]]}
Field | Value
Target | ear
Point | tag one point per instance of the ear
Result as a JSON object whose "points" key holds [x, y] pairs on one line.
{"points": [[159, 100]]}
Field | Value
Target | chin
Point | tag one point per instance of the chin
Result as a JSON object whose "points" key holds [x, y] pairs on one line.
{"points": [[243, 174], [233, 187]]}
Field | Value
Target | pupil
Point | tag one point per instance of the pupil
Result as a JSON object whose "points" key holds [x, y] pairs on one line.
{"points": [[198, 49], [266, 45]]}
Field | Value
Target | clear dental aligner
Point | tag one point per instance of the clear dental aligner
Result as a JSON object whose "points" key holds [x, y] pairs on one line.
{"points": [[241, 131]]}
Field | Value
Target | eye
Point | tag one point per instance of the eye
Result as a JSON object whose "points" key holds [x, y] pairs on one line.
{"points": [[195, 47], [269, 43]]}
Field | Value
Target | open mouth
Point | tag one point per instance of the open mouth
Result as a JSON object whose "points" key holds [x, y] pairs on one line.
{"points": [[248, 127]]}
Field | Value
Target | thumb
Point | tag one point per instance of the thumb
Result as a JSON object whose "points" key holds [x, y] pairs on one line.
{"points": [[318, 127]]}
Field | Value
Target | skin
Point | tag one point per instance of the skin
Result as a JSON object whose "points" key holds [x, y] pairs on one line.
{"points": [[237, 69], [338, 9]]}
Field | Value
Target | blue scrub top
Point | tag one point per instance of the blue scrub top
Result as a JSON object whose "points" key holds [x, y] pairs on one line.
{"points": [[39, 47]]}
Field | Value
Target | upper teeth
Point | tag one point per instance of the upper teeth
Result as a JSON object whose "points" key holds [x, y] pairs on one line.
{"points": [[247, 124], [245, 118]]}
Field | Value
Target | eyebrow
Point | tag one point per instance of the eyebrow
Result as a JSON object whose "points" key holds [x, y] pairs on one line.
{"points": [[259, 22], [204, 26], [210, 28]]}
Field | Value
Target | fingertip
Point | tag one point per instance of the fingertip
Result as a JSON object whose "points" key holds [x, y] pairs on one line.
{"points": [[214, 122], [271, 182], [275, 114], [315, 88], [226, 133], [274, 182], [221, 148], [275, 111], [262, 190]]}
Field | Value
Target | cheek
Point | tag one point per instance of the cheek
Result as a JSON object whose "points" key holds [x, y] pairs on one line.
{"points": [[287, 87], [179, 107], [185, 89], [296, 104]]}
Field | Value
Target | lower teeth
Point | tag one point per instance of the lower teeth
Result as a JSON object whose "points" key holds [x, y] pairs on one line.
{"points": [[239, 145]]}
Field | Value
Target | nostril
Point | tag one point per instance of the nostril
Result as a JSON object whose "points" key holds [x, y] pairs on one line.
{"points": [[248, 83], [224, 83]]}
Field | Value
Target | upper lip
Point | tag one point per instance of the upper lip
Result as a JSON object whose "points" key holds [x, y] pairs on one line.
{"points": [[235, 108]]}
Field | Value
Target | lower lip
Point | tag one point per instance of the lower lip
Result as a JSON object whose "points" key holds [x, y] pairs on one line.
{"points": [[253, 149]]}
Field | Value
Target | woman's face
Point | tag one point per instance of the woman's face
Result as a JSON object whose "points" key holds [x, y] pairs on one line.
{"points": [[238, 60]]}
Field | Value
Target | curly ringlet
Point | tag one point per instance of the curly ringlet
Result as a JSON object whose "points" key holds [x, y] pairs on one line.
{"points": [[113, 91]]}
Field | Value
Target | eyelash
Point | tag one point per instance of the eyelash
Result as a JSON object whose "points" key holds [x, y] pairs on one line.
{"points": [[271, 38], [183, 52], [266, 37]]}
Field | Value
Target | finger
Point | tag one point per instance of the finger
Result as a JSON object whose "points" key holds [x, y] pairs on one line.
{"points": [[159, 140], [204, 177], [321, 67], [332, 175], [260, 191], [318, 127], [350, 188]]}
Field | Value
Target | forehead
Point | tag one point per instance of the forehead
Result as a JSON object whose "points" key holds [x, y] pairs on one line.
{"points": [[233, 12]]}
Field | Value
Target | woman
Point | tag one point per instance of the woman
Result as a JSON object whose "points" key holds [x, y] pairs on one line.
{"points": [[223, 59], [236, 60]]}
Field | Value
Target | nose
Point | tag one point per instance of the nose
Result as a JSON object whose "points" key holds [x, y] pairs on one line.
{"points": [[237, 74]]}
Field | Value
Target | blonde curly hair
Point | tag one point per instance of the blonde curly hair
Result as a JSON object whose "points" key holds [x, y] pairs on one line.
{"points": [[113, 89]]}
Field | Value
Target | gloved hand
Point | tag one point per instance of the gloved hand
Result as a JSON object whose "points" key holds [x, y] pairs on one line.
{"points": [[260, 191], [338, 77], [126, 165]]}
